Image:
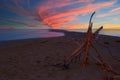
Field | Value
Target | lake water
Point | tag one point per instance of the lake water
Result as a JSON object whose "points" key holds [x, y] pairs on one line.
{"points": [[38, 33]]}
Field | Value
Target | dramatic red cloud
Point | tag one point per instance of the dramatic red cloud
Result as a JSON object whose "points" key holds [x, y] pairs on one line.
{"points": [[56, 25], [51, 15], [57, 22], [55, 13], [50, 4]]}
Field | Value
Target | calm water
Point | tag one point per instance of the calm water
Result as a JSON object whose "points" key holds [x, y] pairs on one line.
{"points": [[110, 32], [6, 35], [33, 33]]}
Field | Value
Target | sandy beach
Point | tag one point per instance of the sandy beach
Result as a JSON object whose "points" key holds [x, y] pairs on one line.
{"points": [[32, 59]]}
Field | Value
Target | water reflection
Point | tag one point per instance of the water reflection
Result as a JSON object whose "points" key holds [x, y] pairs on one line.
{"points": [[38, 33], [110, 32], [52, 34], [6, 35]]}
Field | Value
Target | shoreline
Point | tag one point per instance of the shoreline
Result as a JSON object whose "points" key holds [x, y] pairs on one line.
{"points": [[66, 34], [31, 59]]}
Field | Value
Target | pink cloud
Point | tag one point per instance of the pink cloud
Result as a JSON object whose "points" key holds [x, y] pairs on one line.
{"points": [[89, 7], [57, 23], [115, 10], [59, 3], [50, 14], [77, 26], [111, 12]]}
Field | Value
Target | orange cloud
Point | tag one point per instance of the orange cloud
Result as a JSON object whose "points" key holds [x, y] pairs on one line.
{"points": [[57, 23], [77, 26], [74, 12], [52, 12], [82, 10], [59, 20]]}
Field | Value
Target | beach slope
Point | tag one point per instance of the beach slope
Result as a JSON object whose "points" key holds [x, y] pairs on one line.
{"points": [[33, 59]]}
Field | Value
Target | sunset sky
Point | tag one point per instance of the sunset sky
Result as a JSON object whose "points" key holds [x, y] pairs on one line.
{"points": [[58, 14]]}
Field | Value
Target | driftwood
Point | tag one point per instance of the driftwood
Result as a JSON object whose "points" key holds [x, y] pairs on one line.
{"points": [[85, 46]]}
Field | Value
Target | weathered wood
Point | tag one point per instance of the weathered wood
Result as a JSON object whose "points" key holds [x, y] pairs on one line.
{"points": [[68, 59], [86, 45], [97, 32]]}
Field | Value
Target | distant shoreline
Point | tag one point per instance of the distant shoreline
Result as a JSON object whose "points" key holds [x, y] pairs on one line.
{"points": [[69, 34]]}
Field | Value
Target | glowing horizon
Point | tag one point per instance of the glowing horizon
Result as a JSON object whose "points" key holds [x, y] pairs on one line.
{"points": [[58, 14]]}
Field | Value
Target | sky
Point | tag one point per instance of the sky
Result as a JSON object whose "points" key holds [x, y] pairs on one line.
{"points": [[59, 14]]}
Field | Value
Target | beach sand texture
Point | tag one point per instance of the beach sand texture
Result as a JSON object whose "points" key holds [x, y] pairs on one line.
{"points": [[32, 59]]}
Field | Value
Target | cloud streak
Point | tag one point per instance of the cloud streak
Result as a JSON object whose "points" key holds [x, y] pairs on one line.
{"points": [[55, 13], [111, 12], [22, 8], [52, 15], [77, 26]]}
